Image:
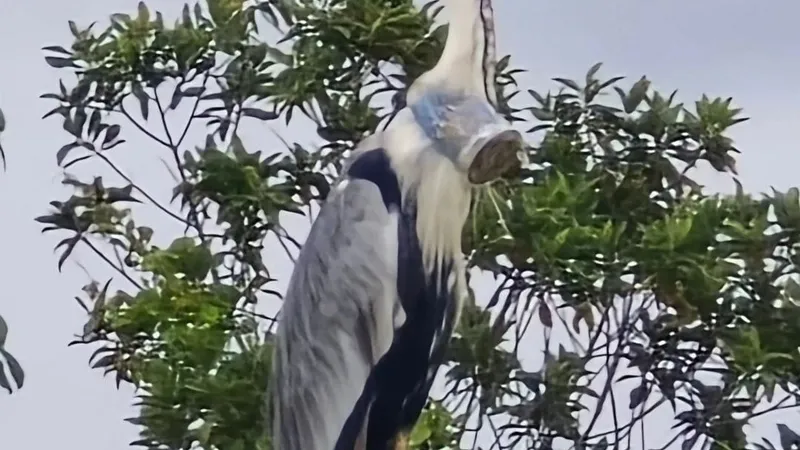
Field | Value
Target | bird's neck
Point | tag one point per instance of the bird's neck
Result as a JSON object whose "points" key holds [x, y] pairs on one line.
{"points": [[438, 195], [467, 63], [433, 189]]}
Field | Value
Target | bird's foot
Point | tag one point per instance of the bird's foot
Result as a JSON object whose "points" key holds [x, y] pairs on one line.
{"points": [[401, 441]]}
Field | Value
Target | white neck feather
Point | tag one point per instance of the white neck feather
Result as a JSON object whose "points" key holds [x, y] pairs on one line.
{"points": [[441, 191]]}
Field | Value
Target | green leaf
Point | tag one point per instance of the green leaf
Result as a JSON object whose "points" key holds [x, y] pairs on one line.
{"points": [[80, 120], [145, 233], [502, 64], [14, 367], [3, 331], [94, 124], [70, 243], [538, 97], [57, 49], [144, 13], [144, 100], [637, 396], [420, 433], [568, 83], [120, 195], [260, 114], [63, 152], [111, 134], [541, 114], [183, 256], [194, 91], [545, 316], [792, 205], [590, 74], [789, 438], [60, 63], [177, 96], [636, 95], [792, 288], [4, 382], [278, 56]]}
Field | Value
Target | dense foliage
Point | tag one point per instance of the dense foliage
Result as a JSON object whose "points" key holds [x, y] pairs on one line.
{"points": [[642, 291]]}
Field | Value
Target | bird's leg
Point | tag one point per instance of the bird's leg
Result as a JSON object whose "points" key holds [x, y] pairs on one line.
{"points": [[361, 441], [401, 441]]}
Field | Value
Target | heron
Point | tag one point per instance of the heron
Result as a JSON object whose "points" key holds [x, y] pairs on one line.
{"points": [[378, 286]]}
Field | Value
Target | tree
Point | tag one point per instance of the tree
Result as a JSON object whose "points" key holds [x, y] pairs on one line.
{"points": [[14, 372], [664, 296]]}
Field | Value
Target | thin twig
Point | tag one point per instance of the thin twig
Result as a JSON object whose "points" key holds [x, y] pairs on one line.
{"points": [[162, 113], [611, 370], [140, 127], [194, 111], [141, 191], [285, 248], [111, 263]]}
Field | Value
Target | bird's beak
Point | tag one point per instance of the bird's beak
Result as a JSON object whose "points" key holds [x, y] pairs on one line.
{"points": [[494, 152]]}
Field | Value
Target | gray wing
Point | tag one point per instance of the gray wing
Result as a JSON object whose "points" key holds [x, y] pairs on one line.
{"points": [[337, 318]]}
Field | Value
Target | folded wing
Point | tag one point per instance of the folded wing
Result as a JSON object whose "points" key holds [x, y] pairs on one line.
{"points": [[339, 314]]}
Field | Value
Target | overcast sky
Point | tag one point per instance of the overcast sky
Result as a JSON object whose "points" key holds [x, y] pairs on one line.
{"points": [[745, 49]]}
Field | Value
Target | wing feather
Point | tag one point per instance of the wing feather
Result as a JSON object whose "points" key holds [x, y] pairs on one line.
{"points": [[337, 318]]}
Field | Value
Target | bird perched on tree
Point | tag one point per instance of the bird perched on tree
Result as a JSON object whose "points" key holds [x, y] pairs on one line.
{"points": [[377, 288]]}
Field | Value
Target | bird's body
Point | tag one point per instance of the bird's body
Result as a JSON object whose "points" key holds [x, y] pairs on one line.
{"points": [[373, 289], [378, 286]]}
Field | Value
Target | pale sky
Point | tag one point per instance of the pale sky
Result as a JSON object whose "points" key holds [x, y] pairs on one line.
{"points": [[744, 49]]}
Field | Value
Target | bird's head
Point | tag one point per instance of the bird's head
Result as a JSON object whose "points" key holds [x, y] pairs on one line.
{"points": [[455, 102], [452, 109], [493, 152], [468, 131]]}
